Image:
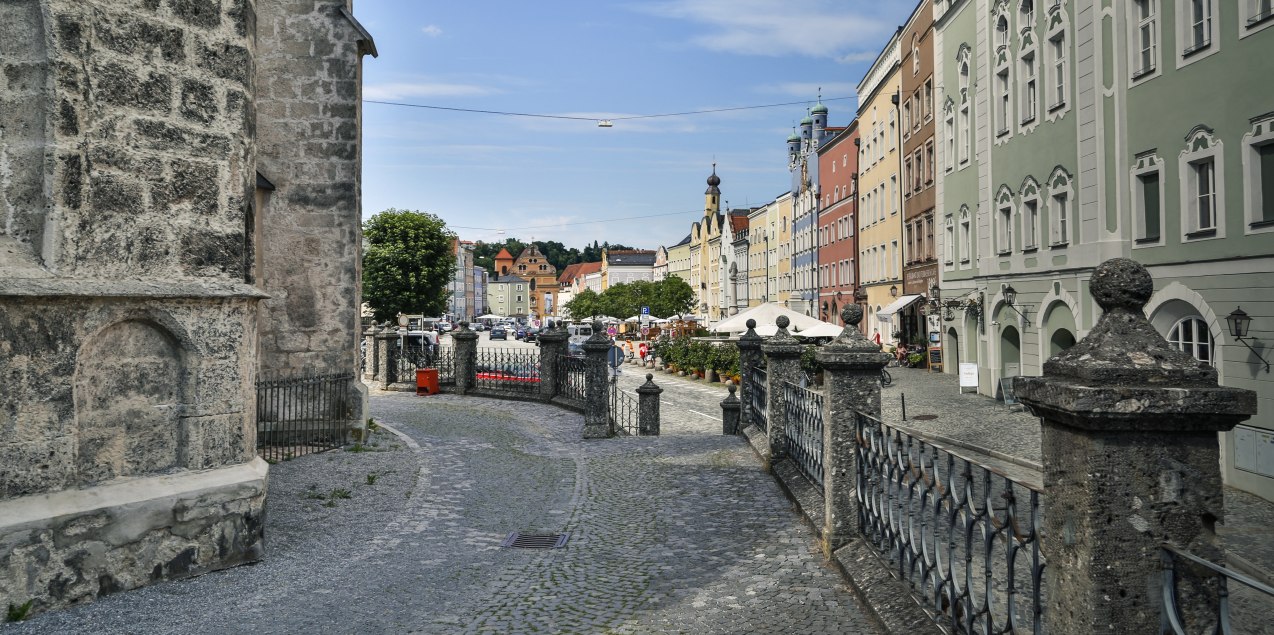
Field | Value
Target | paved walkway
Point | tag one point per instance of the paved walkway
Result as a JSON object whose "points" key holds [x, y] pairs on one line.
{"points": [[677, 534]]}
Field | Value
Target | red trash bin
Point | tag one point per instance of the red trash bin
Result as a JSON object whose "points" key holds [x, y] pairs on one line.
{"points": [[426, 381]]}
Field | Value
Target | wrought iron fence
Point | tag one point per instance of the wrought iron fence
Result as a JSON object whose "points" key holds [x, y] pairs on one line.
{"points": [[302, 415], [507, 371], [1214, 582], [445, 361], [571, 375], [623, 412], [965, 536], [804, 433], [757, 398]]}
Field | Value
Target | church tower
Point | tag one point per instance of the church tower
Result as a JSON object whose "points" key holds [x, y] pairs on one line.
{"points": [[712, 197], [503, 263]]}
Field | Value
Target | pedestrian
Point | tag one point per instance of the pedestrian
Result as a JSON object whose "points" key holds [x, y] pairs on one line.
{"points": [[875, 336]]}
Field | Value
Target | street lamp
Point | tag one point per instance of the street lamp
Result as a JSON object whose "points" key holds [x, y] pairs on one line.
{"points": [[1010, 296], [893, 291], [1238, 321]]}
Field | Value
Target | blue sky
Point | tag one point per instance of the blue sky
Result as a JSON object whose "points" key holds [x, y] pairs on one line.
{"points": [[543, 178]]}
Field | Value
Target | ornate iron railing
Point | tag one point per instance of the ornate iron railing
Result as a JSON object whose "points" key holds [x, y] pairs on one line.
{"points": [[623, 412], [1215, 580], [757, 398], [804, 433], [571, 375], [965, 536], [445, 361], [302, 415], [509, 371]]}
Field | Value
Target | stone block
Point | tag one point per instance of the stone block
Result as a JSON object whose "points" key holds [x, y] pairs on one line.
{"points": [[67, 547], [201, 13], [198, 101], [227, 61]]}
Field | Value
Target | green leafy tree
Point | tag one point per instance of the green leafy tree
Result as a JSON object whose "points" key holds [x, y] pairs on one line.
{"points": [[671, 296], [584, 305], [408, 263]]}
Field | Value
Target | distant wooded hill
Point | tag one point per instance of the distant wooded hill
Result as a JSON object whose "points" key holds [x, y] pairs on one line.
{"points": [[557, 254]]}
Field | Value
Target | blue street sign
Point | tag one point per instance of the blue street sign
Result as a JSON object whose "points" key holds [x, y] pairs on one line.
{"points": [[615, 356], [645, 310]]}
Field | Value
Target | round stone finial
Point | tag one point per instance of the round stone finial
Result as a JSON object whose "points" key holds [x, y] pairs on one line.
{"points": [[1121, 283], [852, 314], [782, 322], [597, 326], [650, 377], [464, 324], [750, 323], [732, 388]]}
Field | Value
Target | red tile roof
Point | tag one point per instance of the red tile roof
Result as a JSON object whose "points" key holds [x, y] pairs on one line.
{"points": [[569, 273], [504, 255], [738, 223]]}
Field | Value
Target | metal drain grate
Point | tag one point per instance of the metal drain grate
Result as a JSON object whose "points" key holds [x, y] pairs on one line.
{"points": [[519, 540], [925, 417]]}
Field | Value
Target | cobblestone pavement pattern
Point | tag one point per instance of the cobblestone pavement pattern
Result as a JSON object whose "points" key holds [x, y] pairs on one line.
{"points": [[676, 534]]}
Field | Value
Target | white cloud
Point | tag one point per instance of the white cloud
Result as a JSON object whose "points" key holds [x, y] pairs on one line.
{"points": [[859, 57], [432, 30], [809, 90], [404, 90], [816, 28]]}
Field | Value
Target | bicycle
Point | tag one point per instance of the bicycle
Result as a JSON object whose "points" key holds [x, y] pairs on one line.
{"points": [[885, 378]]}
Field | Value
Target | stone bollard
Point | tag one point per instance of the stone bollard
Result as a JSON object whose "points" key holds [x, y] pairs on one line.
{"points": [[385, 371], [730, 408], [851, 380], [552, 349], [369, 354], [466, 351], [750, 357], [596, 404], [783, 361], [1131, 461], [648, 407]]}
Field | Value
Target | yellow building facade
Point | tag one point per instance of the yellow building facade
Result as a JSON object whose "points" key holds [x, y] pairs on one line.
{"points": [[879, 195]]}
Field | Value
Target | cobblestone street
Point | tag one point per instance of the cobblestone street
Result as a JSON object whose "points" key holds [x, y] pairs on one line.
{"points": [[676, 534]]}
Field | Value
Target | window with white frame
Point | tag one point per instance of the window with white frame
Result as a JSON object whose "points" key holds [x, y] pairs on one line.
{"points": [[1201, 170], [1145, 40], [1030, 224], [1255, 15], [915, 55], [1029, 100], [1191, 335], [1027, 13], [1002, 102], [908, 172], [930, 247], [966, 236], [929, 158], [1147, 199], [1258, 176], [1057, 70], [1059, 212], [949, 129], [906, 118], [1196, 26], [1002, 32], [927, 100], [948, 242], [965, 127], [893, 195], [893, 259], [1004, 225]]}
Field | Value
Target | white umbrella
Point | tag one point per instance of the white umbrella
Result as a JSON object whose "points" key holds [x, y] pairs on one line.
{"points": [[765, 314], [822, 330], [490, 316], [635, 318]]}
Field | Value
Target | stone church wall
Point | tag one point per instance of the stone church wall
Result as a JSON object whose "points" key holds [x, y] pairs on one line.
{"points": [[127, 332]]}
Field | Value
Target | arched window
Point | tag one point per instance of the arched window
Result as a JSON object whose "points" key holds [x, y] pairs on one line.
{"points": [[915, 55], [1192, 336], [1002, 31]]}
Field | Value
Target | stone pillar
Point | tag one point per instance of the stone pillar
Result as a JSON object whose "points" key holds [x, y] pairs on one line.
{"points": [[384, 339], [730, 408], [783, 362], [749, 358], [1131, 461], [851, 381], [370, 361], [466, 343], [648, 407], [552, 349], [596, 405]]}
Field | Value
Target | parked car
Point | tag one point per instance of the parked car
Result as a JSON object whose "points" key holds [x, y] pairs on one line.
{"points": [[444, 327], [498, 333], [521, 332], [478, 326], [532, 335]]}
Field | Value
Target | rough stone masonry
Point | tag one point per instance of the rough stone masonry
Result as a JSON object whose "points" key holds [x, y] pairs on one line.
{"points": [[128, 310]]}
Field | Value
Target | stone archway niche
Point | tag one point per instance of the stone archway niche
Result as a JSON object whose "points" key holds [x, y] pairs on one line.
{"points": [[128, 396]]}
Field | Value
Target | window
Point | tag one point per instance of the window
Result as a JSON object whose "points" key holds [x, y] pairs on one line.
{"points": [[929, 169], [966, 237], [519, 298], [1030, 224], [948, 243], [1004, 229], [1029, 103], [928, 99], [1002, 117], [1203, 200], [1028, 13], [1191, 335], [1148, 206], [929, 245], [1255, 16], [911, 244], [1198, 32], [908, 172], [1060, 214], [1258, 176], [1002, 32], [906, 118], [965, 128], [950, 149], [893, 195], [1145, 38], [915, 55], [1057, 66]]}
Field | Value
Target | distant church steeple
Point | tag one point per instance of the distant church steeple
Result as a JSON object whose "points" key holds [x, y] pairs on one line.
{"points": [[712, 197]]}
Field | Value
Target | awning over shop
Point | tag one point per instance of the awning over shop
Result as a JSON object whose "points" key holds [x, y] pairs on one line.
{"points": [[887, 314]]}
